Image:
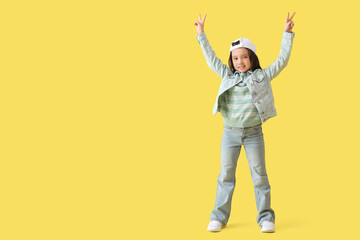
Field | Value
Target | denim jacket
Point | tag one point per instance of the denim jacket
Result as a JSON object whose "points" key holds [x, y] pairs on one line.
{"points": [[258, 82]]}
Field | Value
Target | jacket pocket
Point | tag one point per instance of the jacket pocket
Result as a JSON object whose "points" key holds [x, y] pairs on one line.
{"points": [[257, 77], [260, 84]]}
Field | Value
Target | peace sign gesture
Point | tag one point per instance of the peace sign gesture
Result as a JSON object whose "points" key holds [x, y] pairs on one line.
{"points": [[200, 24], [289, 24]]}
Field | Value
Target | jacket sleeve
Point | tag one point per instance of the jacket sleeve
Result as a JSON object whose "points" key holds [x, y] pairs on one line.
{"points": [[212, 61], [286, 44]]}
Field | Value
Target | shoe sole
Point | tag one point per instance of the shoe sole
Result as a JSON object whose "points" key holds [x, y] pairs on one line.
{"points": [[268, 230], [216, 230]]}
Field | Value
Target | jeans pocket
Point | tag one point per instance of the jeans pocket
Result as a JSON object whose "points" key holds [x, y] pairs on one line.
{"points": [[254, 131]]}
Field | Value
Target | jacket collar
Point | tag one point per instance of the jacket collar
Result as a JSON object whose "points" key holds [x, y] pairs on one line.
{"points": [[245, 74]]}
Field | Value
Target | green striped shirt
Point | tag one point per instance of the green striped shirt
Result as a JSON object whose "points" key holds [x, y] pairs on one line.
{"points": [[237, 107]]}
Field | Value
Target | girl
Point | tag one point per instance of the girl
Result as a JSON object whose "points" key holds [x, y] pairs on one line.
{"points": [[245, 100]]}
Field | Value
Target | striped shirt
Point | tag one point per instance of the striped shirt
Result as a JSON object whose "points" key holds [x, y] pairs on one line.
{"points": [[237, 107]]}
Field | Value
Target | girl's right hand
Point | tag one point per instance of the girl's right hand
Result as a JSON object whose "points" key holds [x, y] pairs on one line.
{"points": [[200, 24]]}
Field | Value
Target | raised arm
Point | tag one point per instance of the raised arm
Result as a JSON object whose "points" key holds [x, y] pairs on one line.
{"points": [[286, 45], [213, 62]]}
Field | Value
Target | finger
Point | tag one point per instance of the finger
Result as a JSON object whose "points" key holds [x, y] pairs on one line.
{"points": [[287, 18], [292, 16], [196, 22], [204, 17], [199, 17]]}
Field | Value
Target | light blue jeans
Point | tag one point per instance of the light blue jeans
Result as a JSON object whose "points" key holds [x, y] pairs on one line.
{"points": [[253, 141]]}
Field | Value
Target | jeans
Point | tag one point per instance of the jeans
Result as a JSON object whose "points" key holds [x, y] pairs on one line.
{"points": [[253, 141]]}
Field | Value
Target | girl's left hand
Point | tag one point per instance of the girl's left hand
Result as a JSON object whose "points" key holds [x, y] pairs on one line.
{"points": [[289, 23]]}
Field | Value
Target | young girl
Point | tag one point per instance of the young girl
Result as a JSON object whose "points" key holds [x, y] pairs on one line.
{"points": [[245, 100]]}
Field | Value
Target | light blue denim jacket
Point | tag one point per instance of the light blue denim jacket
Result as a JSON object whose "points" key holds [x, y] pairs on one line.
{"points": [[258, 82]]}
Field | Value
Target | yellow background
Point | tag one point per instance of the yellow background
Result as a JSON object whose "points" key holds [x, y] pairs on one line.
{"points": [[107, 132]]}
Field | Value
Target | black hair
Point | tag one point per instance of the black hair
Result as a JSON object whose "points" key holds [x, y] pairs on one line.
{"points": [[255, 64]]}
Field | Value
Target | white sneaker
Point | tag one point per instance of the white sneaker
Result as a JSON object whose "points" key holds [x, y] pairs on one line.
{"points": [[267, 227], [215, 226]]}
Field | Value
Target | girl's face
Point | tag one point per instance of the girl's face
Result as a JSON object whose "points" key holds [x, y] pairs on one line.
{"points": [[241, 60]]}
